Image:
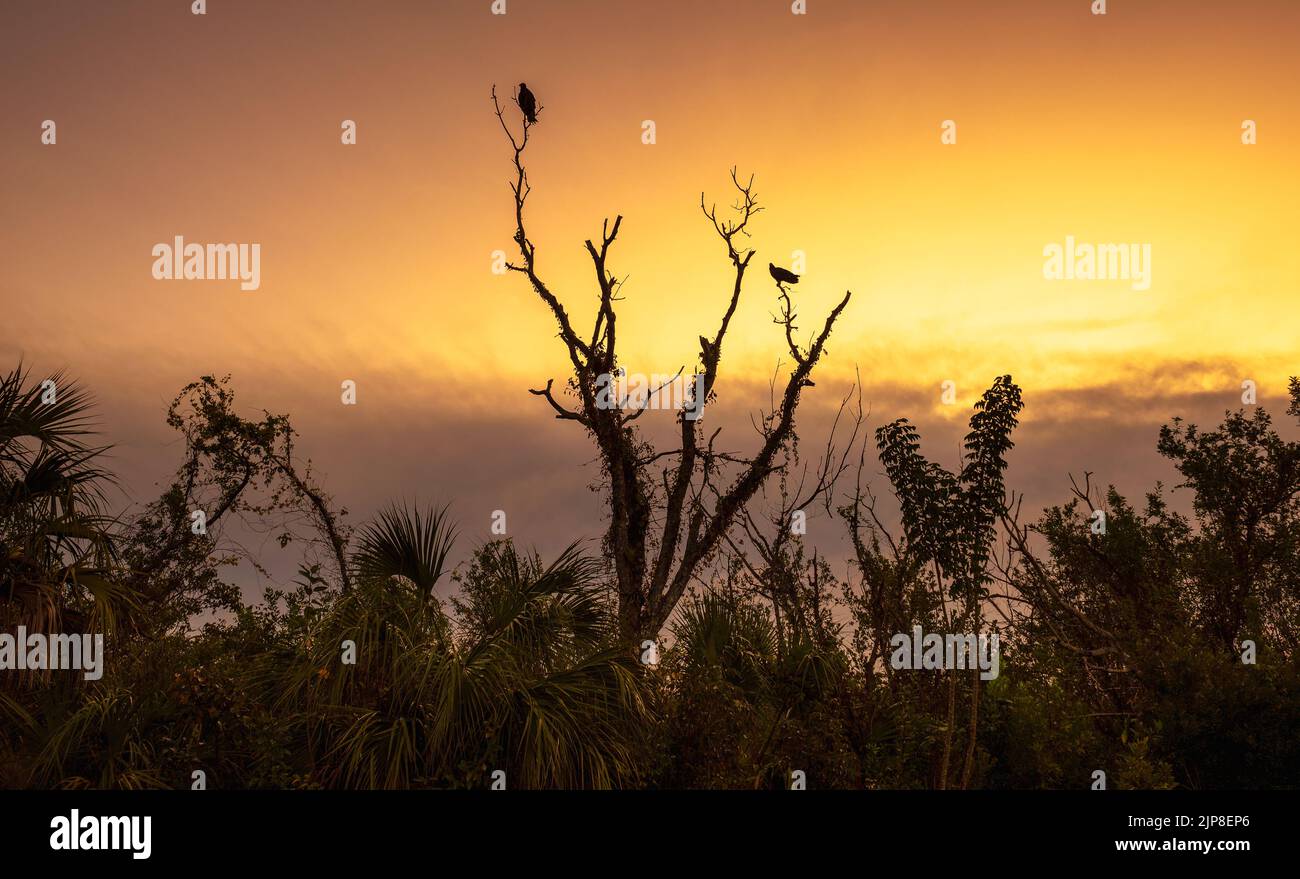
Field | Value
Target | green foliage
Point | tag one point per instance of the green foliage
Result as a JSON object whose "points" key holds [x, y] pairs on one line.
{"points": [[403, 542], [56, 547], [1122, 653], [950, 517], [528, 682]]}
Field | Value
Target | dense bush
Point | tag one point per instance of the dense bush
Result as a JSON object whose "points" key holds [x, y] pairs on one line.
{"points": [[1122, 650]]}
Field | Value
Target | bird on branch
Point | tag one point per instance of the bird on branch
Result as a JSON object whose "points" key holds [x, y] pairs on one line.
{"points": [[528, 103], [782, 276]]}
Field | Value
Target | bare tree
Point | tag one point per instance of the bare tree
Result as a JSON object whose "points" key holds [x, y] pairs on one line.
{"points": [[665, 519], [781, 574]]}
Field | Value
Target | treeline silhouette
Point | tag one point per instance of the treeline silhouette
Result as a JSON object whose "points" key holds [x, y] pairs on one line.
{"points": [[1122, 645]]}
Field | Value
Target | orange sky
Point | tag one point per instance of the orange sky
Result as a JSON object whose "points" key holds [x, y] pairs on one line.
{"points": [[376, 257]]}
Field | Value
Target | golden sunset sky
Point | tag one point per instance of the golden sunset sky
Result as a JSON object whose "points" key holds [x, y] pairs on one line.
{"points": [[376, 257]]}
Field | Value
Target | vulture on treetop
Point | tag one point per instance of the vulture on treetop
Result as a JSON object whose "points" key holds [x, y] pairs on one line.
{"points": [[527, 103], [782, 276]]}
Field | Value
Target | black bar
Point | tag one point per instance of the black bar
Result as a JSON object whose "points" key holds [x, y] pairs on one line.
{"points": [[634, 831]]}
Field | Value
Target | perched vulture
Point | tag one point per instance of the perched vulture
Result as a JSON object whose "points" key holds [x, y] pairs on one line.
{"points": [[527, 103], [783, 276]]}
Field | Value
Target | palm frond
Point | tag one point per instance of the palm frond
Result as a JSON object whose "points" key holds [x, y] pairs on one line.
{"points": [[408, 543]]}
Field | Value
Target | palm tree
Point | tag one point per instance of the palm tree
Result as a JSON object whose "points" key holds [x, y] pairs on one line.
{"points": [[527, 679], [57, 551], [406, 544]]}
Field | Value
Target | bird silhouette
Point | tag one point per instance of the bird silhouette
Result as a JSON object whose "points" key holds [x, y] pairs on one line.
{"points": [[527, 103], [782, 276]]}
